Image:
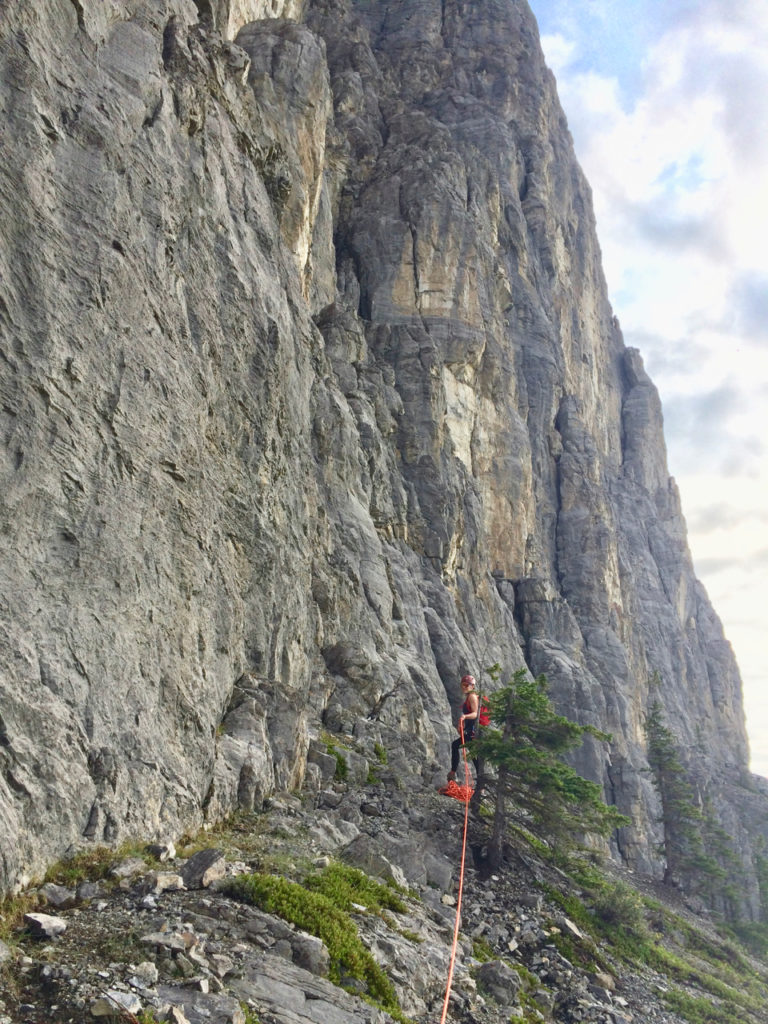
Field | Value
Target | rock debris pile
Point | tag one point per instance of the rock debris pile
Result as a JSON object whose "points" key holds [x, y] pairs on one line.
{"points": [[168, 941]]}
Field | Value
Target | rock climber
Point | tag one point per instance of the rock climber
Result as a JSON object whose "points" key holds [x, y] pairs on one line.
{"points": [[466, 724]]}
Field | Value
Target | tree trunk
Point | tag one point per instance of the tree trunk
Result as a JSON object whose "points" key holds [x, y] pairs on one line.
{"points": [[496, 845]]}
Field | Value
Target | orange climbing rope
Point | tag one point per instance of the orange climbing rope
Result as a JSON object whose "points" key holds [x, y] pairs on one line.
{"points": [[468, 793]]}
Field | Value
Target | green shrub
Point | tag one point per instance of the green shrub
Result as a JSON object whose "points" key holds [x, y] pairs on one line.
{"points": [[250, 1014], [482, 950], [345, 885], [618, 905], [316, 913], [530, 984], [587, 875], [342, 768]]}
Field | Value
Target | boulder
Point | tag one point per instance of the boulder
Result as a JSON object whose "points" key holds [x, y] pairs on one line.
{"points": [[500, 981], [203, 868], [45, 926]]}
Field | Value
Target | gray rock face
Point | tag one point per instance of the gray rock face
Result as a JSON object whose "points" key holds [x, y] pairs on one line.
{"points": [[298, 997], [500, 980], [312, 400]]}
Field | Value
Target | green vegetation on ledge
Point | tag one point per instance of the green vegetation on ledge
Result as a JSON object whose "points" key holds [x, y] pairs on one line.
{"points": [[322, 907], [619, 923], [346, 886]]}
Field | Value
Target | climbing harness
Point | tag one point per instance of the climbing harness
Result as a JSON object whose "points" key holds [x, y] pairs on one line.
{"points": [[465, 797]]}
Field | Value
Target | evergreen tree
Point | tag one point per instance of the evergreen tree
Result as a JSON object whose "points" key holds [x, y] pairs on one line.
{"points": [[696, 848], [680, 819], [535, 786], [722, 873]]}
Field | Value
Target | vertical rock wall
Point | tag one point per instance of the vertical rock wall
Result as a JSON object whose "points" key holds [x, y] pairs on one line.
{"points": [[531, 440], [312, 399]]}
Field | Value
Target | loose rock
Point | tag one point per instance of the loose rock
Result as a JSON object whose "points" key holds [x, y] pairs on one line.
{"points": [[45, 926]]}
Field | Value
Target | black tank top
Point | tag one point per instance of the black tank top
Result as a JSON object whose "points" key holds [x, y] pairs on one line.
{"points": [[469, 725]]}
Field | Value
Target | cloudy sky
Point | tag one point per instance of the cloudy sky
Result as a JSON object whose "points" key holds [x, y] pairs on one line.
{"points": [[667, 101]]}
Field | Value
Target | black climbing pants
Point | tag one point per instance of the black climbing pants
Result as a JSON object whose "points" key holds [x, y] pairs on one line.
{"points": [[455, 748]]}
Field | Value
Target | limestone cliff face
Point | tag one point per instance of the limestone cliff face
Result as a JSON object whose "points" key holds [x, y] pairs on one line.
{"points": [[312, 399]]}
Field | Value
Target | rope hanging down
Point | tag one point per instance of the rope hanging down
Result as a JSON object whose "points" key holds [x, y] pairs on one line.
{"points": [[468, 792]]}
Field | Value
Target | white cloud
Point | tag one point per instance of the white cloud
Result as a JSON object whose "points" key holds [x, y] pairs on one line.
{"points": [[748, 306], [559, 50]]}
